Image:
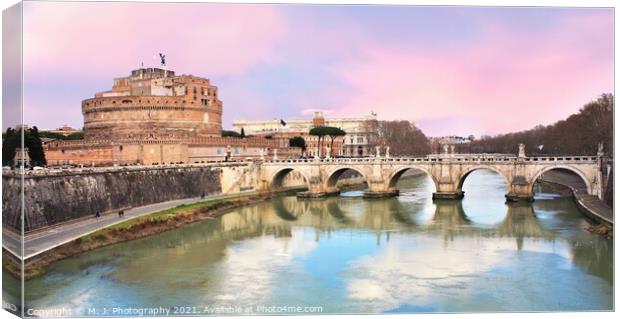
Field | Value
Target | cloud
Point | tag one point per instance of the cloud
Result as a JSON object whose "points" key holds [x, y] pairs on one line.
{"points": [[399, 275], [251, 268], [84, 38], [548, 74], [467, 74]]}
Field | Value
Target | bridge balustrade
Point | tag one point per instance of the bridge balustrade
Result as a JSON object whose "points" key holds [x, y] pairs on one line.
{"points": [[445, 158]]}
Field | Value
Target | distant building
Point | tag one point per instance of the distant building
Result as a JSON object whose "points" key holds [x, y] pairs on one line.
{"points": [[65, 130], [356, 143], [460, 144]]}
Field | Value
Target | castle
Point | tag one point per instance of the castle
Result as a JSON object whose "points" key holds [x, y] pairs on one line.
{"points": [[156, 117]]}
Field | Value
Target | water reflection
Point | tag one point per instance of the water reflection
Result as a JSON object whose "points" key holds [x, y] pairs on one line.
{"points": [[519, 220], [348, 254]]}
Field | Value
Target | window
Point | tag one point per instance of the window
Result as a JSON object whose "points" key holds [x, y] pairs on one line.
{"points": [[204, 101]]}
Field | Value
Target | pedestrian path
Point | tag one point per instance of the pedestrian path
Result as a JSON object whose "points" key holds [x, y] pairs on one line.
{"points": [[49, 238], [591, 203]]}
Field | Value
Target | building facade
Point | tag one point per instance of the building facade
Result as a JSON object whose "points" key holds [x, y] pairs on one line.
{"points": [[356, 143], [154, 103], [65, 130], [450, 144]]}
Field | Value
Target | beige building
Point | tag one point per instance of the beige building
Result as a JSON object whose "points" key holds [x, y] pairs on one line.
{"points": [[65, 130], [154, 103], [153, 117], [357, 142]]}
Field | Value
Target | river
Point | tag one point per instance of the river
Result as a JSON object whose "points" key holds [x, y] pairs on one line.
{"points": [[347, 254]]}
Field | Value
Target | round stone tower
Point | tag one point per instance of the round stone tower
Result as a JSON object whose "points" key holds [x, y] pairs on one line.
{"points": [[154, 103]]}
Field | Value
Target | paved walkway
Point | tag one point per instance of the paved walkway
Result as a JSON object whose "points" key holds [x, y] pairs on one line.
{"points": [[589, 202], [44, 240]]}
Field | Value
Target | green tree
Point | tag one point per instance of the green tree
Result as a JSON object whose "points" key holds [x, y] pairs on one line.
{"points": [[298, 141], [53, 135], [320, 132], [242, 133], [333, 133], [226, 133], [32, 141], [10, 142], [75, 136]]}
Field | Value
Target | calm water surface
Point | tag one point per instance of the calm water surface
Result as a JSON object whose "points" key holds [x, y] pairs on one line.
{"points": [[351, 255]]}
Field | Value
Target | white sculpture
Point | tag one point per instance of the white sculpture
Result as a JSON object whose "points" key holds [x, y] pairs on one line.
{"points": [[521, 150]]}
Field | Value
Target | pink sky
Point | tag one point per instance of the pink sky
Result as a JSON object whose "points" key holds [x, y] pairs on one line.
{"points": [[451, 70]]}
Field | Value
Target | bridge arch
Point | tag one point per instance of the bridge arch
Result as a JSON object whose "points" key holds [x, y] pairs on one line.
{"points": [[468, 171], [569, 168], [396, 174], [334, 175], [277, 180]]}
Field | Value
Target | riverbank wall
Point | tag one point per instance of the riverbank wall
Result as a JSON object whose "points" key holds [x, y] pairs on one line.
{"points": [[593, 208], [53, 197]]}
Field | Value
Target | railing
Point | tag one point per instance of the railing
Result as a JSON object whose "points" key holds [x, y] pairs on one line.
{"points": [[352, 160], [496, 158]]}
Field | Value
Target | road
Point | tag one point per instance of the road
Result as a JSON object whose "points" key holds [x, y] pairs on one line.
{"points": [[49, 238]]}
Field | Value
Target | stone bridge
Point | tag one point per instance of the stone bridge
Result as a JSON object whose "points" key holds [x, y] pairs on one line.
{"points": [[448, 172]]}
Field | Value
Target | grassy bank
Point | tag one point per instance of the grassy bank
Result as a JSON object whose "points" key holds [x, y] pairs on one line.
{"points": [[135, 228]]}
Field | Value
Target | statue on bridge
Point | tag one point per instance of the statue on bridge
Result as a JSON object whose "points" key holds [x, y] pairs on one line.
{"points": [[600, 151], [521, 150]]}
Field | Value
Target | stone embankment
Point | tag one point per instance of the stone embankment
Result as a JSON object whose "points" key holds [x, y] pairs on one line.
{"points": [[52, 197], [594, 208]]}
